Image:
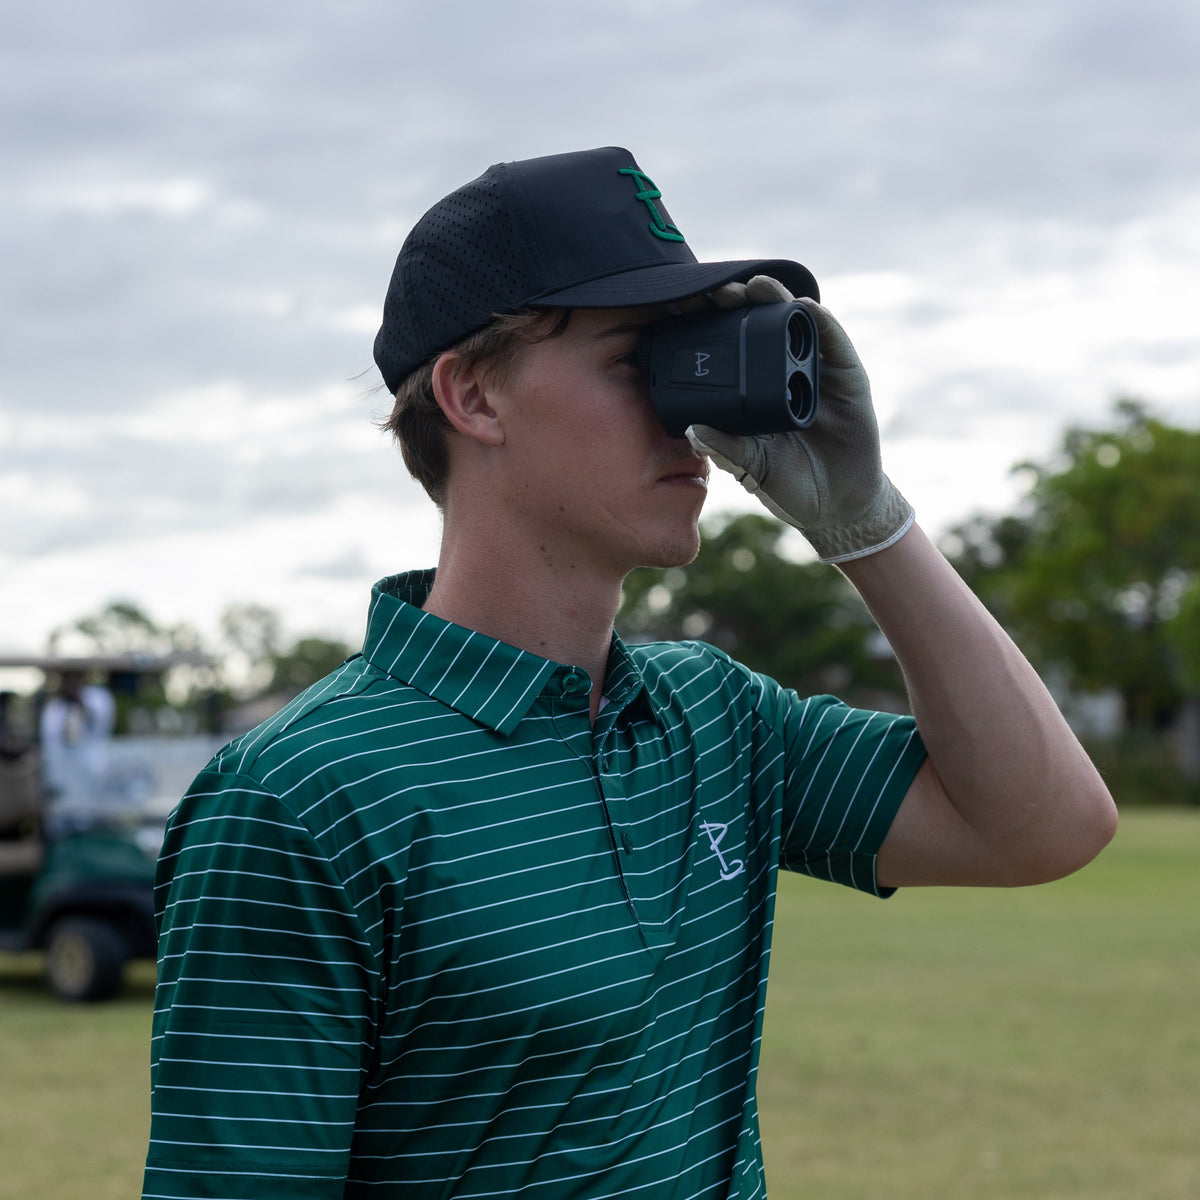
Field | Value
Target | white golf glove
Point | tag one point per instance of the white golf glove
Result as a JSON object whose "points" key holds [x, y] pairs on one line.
{"points": [[826, 480]]}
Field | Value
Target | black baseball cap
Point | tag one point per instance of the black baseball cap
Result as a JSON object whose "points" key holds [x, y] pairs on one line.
{"points": [[581, 230]]}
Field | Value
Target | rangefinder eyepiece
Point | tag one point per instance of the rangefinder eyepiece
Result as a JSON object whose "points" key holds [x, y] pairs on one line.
{"points": [[743, 370]]}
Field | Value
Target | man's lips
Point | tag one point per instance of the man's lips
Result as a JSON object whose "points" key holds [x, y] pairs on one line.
{"points": [[690, 470]]}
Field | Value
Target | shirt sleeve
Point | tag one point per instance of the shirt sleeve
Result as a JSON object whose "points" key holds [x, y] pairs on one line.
{"points": [[847, 772], [263, 1023]]}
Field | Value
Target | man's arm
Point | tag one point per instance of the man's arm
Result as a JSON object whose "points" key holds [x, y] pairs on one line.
{"points": [[262, 1024], [1007, 795]]}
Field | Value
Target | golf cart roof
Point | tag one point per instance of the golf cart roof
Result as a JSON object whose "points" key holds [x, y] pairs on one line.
{"points": [[141, 664]]}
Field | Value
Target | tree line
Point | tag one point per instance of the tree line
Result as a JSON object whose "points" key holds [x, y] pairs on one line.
{"points": [[251, 665], [1096, 573]]}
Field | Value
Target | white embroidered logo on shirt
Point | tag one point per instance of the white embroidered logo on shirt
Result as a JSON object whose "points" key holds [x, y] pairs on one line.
{"points": [[716, 834]]}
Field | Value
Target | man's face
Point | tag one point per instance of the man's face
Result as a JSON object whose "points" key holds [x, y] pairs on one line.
{"points": [[589, 472]]}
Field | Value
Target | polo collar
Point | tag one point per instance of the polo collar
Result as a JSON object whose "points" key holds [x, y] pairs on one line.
{"points": [[489, 681]]}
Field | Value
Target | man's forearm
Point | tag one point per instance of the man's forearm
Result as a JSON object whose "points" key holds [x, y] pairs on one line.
{"points": [[1032, 805]]}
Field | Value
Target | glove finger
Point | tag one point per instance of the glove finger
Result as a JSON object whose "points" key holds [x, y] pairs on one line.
{"points": [[836, 347], [729, 295], [734, 454], [763, 289]]}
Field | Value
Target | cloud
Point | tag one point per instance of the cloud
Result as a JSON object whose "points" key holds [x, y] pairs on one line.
{"points": [[214, 459], [202, 204], [350, 565], [175, 162]]}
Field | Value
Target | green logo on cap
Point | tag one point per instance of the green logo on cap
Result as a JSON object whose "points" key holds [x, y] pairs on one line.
{"points": [[647, 193]]}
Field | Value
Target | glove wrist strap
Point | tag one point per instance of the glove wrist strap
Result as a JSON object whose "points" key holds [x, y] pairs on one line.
{"points": [[881, 525]]}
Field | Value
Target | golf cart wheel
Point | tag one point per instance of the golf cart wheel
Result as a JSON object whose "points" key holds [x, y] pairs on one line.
{"points": [[85, 958]]}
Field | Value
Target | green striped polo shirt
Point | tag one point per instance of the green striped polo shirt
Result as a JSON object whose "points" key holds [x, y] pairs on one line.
{"points": [[428, 932]]}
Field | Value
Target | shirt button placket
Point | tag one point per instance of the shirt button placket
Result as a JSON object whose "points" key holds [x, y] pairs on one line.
{"points": [[613, 788]]}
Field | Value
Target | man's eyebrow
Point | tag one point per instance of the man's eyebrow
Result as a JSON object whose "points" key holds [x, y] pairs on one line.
{"points": [[615, 331]]}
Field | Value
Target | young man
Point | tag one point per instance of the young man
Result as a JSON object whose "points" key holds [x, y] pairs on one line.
{"points": [[487, 911]]}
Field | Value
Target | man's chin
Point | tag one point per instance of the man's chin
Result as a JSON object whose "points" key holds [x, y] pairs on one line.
{"points": [[679, 553]]}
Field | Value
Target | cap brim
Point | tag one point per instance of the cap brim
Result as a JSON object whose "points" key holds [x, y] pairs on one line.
{"points": [[664, 282]]}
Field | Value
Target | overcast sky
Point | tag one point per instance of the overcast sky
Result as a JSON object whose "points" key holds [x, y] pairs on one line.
{"points": [[201, 203]]}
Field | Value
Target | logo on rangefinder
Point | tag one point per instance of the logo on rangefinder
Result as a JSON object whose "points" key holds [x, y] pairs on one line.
{"points": [[647, 193]]}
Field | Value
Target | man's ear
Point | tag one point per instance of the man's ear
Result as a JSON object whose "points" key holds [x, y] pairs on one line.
{"points": [[462, 394]]}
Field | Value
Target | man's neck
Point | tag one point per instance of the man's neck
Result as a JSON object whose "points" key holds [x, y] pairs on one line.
{"points": [[554, 609]]}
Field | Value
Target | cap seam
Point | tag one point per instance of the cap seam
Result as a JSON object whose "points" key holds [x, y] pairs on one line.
{"points": [[536, 260]]}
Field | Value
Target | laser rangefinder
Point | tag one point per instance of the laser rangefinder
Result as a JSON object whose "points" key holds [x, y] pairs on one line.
{"points": [[742, 370]]}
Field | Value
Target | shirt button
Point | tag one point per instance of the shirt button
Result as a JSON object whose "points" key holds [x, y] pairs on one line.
{"points": [[572, 683], [626, 843]]}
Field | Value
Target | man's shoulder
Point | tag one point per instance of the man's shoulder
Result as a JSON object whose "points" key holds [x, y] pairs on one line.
{"points": [[677, 663], [340, 745], [675, 655], [691, 675], [344, 704], [704, 684]]}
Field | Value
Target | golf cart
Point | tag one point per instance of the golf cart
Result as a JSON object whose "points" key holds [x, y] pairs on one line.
{"points": [[77, 879]]}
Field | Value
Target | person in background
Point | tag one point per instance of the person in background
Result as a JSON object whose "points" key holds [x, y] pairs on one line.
{"points": [[74, 731]]}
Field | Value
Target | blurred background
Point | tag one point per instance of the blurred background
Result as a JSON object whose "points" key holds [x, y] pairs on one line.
{"points": [[201, 205]]}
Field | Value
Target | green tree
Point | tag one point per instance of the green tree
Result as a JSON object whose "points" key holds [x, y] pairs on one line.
{"points": [[1184, 634], [800, 622], [124, 628], [250, 636], [250, 658], [304, 662], [1092, 571]]}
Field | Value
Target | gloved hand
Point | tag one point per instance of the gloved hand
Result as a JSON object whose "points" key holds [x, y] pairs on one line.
{"points": [[826, 480]]}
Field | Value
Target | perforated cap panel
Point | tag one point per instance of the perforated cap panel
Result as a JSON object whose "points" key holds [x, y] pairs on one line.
{"points": [[586, 229]]}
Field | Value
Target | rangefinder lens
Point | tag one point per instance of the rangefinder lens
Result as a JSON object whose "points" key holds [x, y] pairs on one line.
{"points": [[801, 401], [799, 335]]}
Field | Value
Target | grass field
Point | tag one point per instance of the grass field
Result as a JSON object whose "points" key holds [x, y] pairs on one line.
{"points": [[946, 1045]]}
